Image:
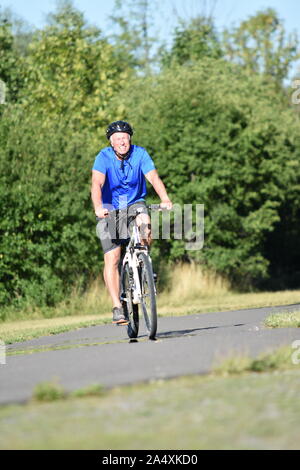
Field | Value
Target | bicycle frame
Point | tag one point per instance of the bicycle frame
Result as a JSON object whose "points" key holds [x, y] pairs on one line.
{"points": [[133, 249], [137, 282]]}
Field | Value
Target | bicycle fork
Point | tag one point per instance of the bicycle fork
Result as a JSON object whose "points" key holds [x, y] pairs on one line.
{"points": [[137, 293], [134, 279]]}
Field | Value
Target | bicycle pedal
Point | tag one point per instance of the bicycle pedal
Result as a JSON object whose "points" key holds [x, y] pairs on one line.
{"points": [[122, 323]]}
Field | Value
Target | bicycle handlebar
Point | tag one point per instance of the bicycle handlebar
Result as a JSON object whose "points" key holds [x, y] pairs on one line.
{"points": [[154, 207]]}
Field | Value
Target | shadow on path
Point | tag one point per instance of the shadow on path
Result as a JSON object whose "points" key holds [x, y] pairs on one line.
{"points": [[191, 331]]}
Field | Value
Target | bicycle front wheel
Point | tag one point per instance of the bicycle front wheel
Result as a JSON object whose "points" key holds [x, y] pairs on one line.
{"points": [[148, 298], [131, 310]]}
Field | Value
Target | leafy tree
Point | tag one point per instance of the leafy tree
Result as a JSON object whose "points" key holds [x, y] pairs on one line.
{"points": [[21, 30], [222, 137], [193, 41], [261, 45], [73, 71], [47, 237], [133, 22], [48, 143], [219, 133], [11, 63]]}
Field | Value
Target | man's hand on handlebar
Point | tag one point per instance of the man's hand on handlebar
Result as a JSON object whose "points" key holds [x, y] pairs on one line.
{"points": [[166, 205], [101, 213]]}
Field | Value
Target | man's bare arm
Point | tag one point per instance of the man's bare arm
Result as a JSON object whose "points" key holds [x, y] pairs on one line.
{"points": [[159, 187], [98, 180]]}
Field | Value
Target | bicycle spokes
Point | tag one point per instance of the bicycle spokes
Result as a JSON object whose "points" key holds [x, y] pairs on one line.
{"points": [[130, 308], [148, 300]]}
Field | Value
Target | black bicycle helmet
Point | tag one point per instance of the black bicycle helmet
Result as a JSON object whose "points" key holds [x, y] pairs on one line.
{"points": [[118, 126]]}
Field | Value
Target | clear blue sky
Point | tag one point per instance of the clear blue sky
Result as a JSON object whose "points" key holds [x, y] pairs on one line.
{"points": [[225, 12]]}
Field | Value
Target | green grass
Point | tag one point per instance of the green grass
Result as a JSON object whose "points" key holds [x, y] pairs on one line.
{"points": [[284, 320], [48, 391], [53, 391], [250, 411], [61, 347], [279, 360], [94, 302], [189, 290], [96, 390], [243, 404], [18, 331]]}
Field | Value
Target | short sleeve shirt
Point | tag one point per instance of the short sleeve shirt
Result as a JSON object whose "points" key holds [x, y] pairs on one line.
{"points": [[125, 181]]}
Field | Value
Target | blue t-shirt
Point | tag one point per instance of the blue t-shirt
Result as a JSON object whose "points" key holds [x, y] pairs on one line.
{"points": [[125, 181]]}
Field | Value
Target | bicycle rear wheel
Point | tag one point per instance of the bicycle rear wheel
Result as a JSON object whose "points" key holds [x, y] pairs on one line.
{"points": [[148, 299], [131, 310]]}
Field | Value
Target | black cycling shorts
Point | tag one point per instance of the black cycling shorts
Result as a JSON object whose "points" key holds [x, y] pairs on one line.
{"points": [[113, 230]]}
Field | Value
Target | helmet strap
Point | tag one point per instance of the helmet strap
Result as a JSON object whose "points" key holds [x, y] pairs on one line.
{"points": [[124, 156]]}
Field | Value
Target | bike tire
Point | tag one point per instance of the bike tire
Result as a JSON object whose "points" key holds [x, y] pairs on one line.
{"points": [[148, 299], [131, 310]]}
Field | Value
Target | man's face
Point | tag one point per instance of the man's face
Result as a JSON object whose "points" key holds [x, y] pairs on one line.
{"points": [[120, 142]]}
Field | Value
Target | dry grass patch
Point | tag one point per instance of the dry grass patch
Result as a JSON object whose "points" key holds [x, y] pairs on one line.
{"points": [[190, 290], [190, 283], [194, 290]]}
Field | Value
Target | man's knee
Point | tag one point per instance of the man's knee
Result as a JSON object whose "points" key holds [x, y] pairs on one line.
{"points": [[144, 224], [112, 258], [145, 230]]}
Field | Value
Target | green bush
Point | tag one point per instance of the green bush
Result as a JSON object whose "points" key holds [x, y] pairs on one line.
{"points": [[48, 391], [223, 138], [220, 136], [49, 140]]}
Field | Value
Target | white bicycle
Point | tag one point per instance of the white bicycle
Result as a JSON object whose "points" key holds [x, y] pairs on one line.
{"points": [[138, 282]]}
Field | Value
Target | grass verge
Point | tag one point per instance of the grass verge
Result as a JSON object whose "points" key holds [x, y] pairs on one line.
{"points": [[190, 290], [235, 407], [18, 331], [284, 320], [249, 411], [95, 301], [278, 360], [193, 290], [53, 391]]}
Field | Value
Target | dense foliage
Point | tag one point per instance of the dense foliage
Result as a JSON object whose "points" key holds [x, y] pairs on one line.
{"points": [[48, 142], [221, 135]]}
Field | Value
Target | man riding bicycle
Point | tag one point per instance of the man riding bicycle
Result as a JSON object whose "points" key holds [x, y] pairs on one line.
{"points": [[119, 185]]}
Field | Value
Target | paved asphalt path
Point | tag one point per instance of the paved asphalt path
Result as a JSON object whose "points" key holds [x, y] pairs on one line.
{"points": [[103, 354]]}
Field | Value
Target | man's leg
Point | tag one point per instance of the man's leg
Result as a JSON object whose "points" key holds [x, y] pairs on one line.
{"points": [[144, 223], [111, 274], [112, 253], [112, 281]]}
